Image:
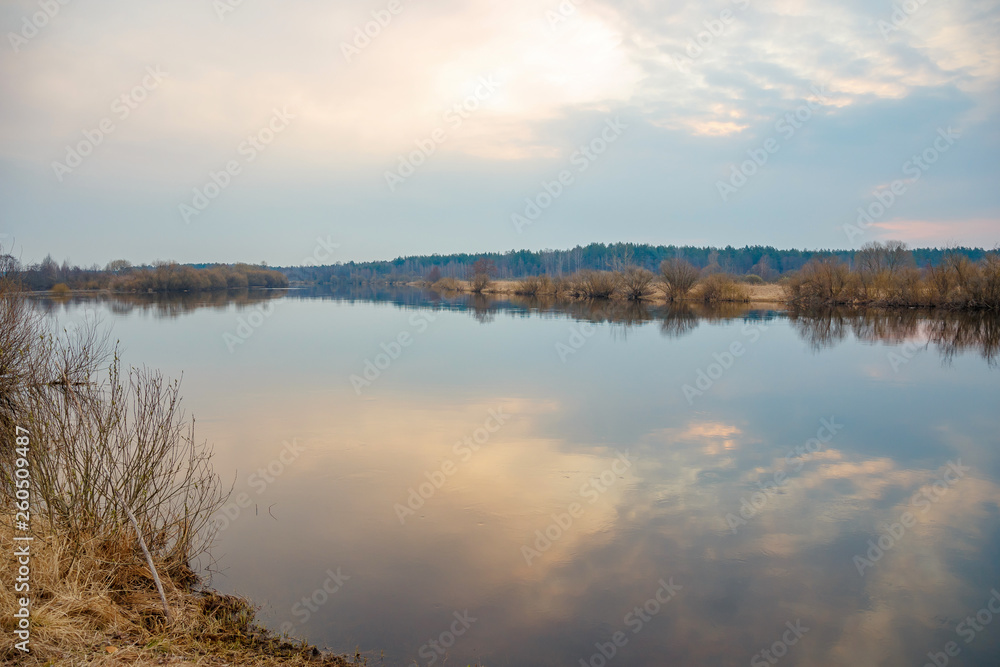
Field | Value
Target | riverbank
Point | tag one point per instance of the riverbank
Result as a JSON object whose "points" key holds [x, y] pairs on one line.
{"points": [[94, 602], [106, 505], [766, 293]]}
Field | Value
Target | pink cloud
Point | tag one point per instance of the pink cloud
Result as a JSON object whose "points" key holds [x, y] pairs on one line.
{"points": [[977, 231]]}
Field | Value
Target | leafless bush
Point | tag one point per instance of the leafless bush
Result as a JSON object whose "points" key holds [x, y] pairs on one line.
{"points": [[821, 281], [480, 283], [446, 284], [722, 287], [678, 276], [101, 445], [636, 283], [534, 286], [598, 284]]}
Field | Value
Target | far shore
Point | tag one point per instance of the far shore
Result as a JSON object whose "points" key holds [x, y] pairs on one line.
{"points": [[768, 293]]}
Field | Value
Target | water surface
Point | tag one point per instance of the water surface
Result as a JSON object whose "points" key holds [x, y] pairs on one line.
{"points": [[713, 483]]}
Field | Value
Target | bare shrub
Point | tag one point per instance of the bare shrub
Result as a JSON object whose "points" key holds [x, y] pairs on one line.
{"points": [[479, 275], [480, 283], [821, 281], [679, 277], [722, 287], [598, 284], [446, 285], [636, 283], [101, 446], [533, 286]]}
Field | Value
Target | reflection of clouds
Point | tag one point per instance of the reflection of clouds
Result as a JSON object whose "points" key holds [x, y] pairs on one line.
{"points": [[718, 436], [665, 518]]}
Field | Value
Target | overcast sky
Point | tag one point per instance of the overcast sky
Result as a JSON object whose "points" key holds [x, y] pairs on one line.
{"points": [[442, 129]]}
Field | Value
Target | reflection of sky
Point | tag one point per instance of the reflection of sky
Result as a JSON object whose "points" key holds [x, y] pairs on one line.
{"points": [[664, 517]]}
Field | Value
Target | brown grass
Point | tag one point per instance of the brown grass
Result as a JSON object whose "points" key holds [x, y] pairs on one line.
{"points": [[722, 287], [572, 287], [94, 603], [533, 286]]}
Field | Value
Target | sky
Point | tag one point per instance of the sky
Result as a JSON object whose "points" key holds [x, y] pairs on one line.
{"points": [[253, 130]]}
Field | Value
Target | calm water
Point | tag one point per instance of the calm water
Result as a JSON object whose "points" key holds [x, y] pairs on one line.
{"points": [[525, 485]]}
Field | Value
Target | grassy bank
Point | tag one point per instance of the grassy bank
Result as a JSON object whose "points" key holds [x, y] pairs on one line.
{"points": [[725, 289], [102, 477], [94, 602]]}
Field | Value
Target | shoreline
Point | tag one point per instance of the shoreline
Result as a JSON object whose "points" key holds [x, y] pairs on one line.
{"points": [[770, 293]]}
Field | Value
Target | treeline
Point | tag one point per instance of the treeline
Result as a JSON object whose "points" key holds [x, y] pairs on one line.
{"points": [[120, 275], [767, 262]]}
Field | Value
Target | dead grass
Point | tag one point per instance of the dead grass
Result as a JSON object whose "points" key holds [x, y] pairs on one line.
{"points": [[571, 288], [94, 603], [722, 287]]}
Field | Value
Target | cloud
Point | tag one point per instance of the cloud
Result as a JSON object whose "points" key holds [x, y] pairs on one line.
{"points": [[563, 68]]}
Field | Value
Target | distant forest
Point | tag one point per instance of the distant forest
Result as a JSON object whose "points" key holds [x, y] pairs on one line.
{"points": [[765, 261], [121, 276]]}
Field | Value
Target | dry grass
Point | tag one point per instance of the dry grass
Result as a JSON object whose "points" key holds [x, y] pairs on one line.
{"points": [[94, 603], [447, 285], [575, 287], [533, 286], [722, 287]]}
